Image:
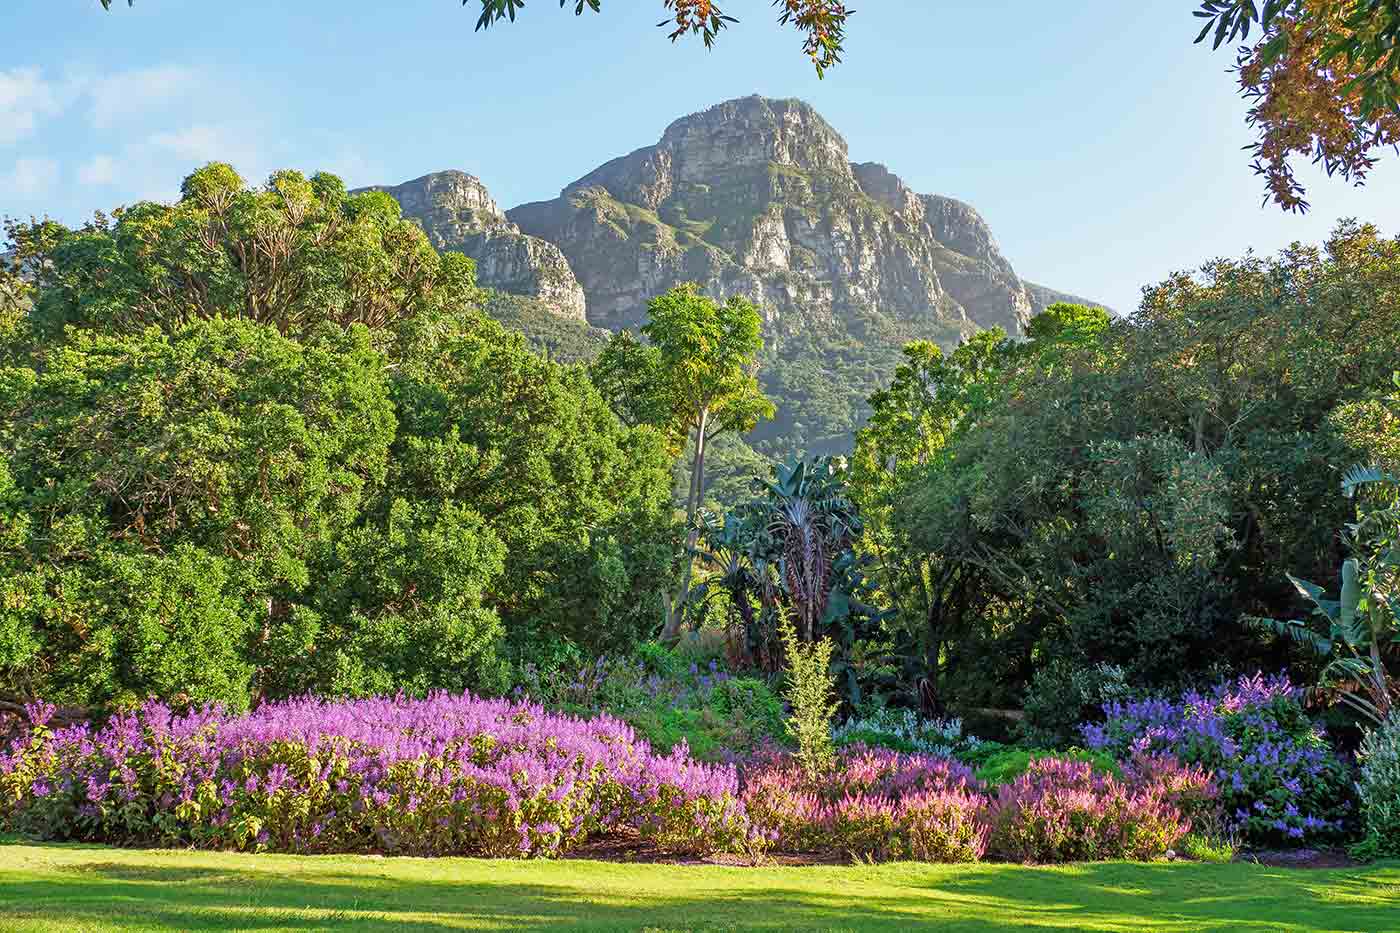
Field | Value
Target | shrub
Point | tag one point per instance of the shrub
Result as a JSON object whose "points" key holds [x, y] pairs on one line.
{"points": [[1063, 811], [448, 774], [1200, 847], [665, 698], [873, 803], [1279, 780], [811, 695], [1189, 788], [1380, 788], [903, 730], [1063, 694], [977, 755], [1007, 765]]}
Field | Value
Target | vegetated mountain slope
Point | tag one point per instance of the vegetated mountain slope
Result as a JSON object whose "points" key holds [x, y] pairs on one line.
{"points": [[754, 197]]}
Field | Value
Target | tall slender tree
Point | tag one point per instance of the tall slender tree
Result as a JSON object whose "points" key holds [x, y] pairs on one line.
{"points": [[694, 378]]}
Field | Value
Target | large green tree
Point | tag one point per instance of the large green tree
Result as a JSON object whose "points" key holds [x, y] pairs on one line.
{"points": [[260, 441]]}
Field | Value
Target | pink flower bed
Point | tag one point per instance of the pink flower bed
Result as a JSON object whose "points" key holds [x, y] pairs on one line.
{"points": [[463, 775], [875, 803], [446, 774]]}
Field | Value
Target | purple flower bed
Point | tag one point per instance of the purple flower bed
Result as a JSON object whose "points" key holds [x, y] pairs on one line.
{"points": [[876, 802], [447, 774], [1280, 781], [1065, 811], [887, 804], [462, 775]]}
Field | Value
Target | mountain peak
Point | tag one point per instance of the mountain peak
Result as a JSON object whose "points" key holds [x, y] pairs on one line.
{"points": [[754, 197], [451, 191], [459, 214], [754, 131]]}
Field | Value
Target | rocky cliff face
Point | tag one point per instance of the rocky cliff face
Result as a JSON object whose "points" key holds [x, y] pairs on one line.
{"points": [[458, 213], [758, 197], [754, 197]]}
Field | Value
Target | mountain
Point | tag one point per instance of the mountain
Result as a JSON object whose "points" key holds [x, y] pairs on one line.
{"points": [[1042, 298], [458, 213], [755, 197]]}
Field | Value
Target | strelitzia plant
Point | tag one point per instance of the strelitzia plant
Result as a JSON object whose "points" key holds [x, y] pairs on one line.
{"points": [[1359, 631]]}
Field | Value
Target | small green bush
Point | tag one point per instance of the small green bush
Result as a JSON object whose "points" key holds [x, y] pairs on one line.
{"points": [[811, 693], [664, 696], [873, 738], [1198, 847], [1062, 695], [750, 704], [1007, 765], [903, 730], [978, 754]]}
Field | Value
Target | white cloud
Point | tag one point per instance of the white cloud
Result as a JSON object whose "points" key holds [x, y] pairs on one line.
{"points": [[128, 94], [201, 143], [28, 96], [29, 178], [25, 97], [101, 170]]}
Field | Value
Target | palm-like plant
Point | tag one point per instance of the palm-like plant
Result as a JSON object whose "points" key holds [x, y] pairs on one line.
{"points": [[811, 522], [730, 547], [1362, 626], [791, 550]]}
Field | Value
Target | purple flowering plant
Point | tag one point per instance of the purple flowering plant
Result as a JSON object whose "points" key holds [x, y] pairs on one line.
{"points": [[1063, 810], [1280, 781], [444, 774], [874, 802]]}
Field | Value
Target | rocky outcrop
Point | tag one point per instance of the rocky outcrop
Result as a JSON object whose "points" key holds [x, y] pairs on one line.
{"points": [[458, 213], [758, 197], [1042, 298]]}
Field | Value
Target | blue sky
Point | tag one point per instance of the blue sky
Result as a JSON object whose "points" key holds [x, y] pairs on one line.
{"points": [[1101, 145]]}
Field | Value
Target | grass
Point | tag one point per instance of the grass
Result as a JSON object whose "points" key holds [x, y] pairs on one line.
{"points": [[94, 888]]}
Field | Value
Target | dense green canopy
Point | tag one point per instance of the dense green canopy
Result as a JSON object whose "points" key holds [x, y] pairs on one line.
{"points": [[260, 441], [1106, 499]]}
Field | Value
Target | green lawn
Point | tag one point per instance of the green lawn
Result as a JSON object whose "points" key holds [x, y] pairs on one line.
{"points": [[92, 888]]}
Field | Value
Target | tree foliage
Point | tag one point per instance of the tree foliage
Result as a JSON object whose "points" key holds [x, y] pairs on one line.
{"points": [[1323, 78], [260, 441], [1116, 495], [693, 379], [822, 23]]}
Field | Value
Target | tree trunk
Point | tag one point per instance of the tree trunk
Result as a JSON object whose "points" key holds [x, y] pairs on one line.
{"points": [[671, 633]]}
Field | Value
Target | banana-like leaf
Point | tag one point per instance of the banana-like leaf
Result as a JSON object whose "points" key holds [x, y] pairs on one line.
{"points": [[1331, 608], [1352, 621], [1349, 669], [1311, 591], [838, 606], [1314, 594], [1294, 631], [1357, 476]]}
